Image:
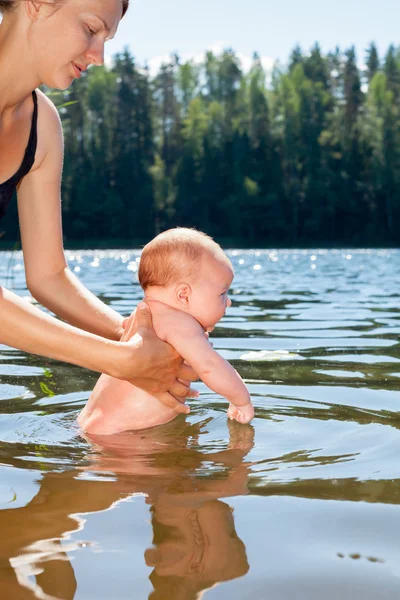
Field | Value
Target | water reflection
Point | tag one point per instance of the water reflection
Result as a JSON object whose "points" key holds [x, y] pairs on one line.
{"points": [[195, 544], [195, 547]]}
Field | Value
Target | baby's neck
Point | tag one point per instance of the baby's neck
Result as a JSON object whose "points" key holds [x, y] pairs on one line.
{"points": [[162, 294], [166, 296]]}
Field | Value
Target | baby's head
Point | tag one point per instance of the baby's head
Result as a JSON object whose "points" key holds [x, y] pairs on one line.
{"points": [[187, 270]]}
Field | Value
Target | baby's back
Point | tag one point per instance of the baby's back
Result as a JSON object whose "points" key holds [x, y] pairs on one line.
{"points": [[117, 405]]}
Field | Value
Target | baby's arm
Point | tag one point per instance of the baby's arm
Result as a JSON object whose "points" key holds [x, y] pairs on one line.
{"points": [[191, 343]]}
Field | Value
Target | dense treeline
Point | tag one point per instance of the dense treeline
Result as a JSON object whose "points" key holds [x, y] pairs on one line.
{"points": [[312, 158]]}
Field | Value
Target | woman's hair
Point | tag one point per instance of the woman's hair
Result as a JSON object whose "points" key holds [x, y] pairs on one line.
{"points": [[125, 6], [9, 5], [6, 5]]}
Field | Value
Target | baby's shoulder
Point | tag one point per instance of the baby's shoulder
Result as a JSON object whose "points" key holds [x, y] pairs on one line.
{"points": [[168, 321]]}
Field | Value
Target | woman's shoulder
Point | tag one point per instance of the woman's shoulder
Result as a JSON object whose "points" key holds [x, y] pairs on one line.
{"points": [[46, 110], [49, 130]]}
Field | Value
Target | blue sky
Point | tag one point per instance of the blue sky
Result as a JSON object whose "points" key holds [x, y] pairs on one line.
{"points": [[155, 28]]}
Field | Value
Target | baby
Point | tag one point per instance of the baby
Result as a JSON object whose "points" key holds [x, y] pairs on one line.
{"points": [[186, 277]]}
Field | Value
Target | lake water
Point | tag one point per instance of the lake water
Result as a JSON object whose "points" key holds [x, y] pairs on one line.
{"points": [[303, 504]]}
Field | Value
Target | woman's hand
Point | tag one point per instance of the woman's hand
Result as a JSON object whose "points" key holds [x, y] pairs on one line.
{"points": [[158, 368]]}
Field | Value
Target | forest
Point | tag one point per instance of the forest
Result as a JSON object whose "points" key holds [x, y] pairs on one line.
{"points": [[308, 155]]}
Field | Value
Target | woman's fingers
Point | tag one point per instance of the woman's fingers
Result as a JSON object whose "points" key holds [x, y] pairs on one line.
{"points": [[139, 321], [178, 389], [144, 319], [168, 400], [192, 393], [186, 372], [128, 326]]}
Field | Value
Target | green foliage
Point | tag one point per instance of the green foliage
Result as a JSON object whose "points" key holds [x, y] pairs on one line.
{"points": [[309, 156]]}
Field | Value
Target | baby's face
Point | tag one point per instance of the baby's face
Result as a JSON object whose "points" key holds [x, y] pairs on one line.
{"points": [[209, 298]]}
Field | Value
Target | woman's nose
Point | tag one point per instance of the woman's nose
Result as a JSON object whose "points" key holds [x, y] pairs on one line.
{"points": [[96, 53], [229, 302]]}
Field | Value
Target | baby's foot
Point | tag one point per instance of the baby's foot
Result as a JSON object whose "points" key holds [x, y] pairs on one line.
{"points": [[241, 414]]}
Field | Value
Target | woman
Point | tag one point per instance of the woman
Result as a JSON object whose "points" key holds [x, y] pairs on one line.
{"points": [[53, 42]]}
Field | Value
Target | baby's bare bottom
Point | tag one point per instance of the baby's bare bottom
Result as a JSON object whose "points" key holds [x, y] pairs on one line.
{"points": [[116, 405]]}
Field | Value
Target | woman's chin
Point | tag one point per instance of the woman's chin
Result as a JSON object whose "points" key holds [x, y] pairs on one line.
{"points": [[59, 83]]}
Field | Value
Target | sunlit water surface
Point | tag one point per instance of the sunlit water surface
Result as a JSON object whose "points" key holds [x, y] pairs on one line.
{"points": [[302, 504]]}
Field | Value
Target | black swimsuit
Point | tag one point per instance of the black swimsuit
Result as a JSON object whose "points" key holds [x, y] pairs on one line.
{"points": [[7, 188]]}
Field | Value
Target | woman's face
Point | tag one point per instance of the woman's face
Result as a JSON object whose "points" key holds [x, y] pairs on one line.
{"points": [[66, 41]]}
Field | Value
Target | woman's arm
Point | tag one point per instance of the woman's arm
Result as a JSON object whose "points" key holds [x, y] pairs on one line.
{"points": [[27, 328], [39, 206], [145, 361]]}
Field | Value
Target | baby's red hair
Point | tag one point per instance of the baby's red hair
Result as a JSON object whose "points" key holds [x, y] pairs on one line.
{"points": [[175, 255]]}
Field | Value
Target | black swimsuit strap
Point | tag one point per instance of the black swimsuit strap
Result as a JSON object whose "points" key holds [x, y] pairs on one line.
{"points": [[32, 143], [7, 188]]}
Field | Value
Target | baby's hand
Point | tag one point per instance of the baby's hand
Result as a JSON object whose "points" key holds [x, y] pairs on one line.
{"points": [[241, 414]]}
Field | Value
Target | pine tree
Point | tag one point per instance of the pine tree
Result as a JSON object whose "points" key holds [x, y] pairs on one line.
{"points": [[372, 61]]}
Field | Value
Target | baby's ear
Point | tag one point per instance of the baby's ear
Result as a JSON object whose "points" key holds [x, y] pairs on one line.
{"points": [[182, 294]]}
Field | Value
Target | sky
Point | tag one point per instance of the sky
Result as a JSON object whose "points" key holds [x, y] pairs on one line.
{"points": [[153, 29]]}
